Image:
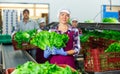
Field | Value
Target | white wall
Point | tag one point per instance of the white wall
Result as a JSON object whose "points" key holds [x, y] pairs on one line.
{"points": [[81, 9]]}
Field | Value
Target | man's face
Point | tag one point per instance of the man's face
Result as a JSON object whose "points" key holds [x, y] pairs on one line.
{"points": [[63, 17], [26, 15], [74, 23]]}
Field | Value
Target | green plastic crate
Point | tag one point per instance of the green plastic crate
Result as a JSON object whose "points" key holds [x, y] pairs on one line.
{"points": [[5, 39]]}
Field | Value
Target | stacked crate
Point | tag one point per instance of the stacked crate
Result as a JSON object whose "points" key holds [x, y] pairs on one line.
{"points": [[10, 19], [97, 60], [5, 39]]}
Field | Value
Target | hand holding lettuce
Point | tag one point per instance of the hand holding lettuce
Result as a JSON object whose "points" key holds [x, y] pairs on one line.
{"points": [[60, 51], [47, 52]]}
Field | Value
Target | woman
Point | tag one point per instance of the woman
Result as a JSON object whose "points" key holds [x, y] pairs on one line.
{"points": [[74, 23], [65, 55]]}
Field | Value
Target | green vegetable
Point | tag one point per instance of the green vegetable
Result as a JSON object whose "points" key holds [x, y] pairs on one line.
{"points": [[89, 21], [24, 36], [111, 34], [114, 47], [109, 20], [51, 39], [45, 68], [106, 34], [84, 38]]}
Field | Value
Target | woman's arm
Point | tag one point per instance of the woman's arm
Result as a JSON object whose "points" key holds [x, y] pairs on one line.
{"points": [[76, 44], [70, 52]]}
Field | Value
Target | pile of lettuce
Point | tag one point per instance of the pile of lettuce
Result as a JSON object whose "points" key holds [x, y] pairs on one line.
{"points": [[24, 36], [109, 20], [51, 39], [45, 68], [114, 47], [89, 21]]}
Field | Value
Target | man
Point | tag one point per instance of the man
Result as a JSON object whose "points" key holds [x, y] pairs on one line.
{"points": [[27, 24], [41, 23]]}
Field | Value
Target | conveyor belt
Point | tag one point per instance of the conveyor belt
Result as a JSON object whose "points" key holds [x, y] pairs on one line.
{"points": [[12, 58]]}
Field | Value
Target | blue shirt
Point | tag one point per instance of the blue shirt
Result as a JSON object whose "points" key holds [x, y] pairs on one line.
{"points": [[30, 25]]}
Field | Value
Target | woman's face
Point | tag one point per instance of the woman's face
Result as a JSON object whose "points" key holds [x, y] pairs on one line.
{"points": [[63, 17], [74, 23]]}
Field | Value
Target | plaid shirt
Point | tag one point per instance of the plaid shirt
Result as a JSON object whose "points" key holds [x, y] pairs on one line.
{"points": [[76, 42]]}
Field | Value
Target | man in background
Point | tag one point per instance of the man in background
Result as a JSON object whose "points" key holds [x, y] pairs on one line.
{"points": [[25, 25]]}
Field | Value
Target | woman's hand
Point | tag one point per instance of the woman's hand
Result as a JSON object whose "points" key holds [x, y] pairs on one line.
{"points": [[47, 52], [60, 51]]}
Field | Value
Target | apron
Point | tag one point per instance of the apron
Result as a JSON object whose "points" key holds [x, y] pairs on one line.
{"points": [[40, 56], [69, 59]]}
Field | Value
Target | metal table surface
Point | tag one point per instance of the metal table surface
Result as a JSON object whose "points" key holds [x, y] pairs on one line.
{"points": [[0, 55], [12, 58], [0, 61]]}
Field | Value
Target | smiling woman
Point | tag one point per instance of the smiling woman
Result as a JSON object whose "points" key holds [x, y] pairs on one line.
{"points": [[64, 55]]}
